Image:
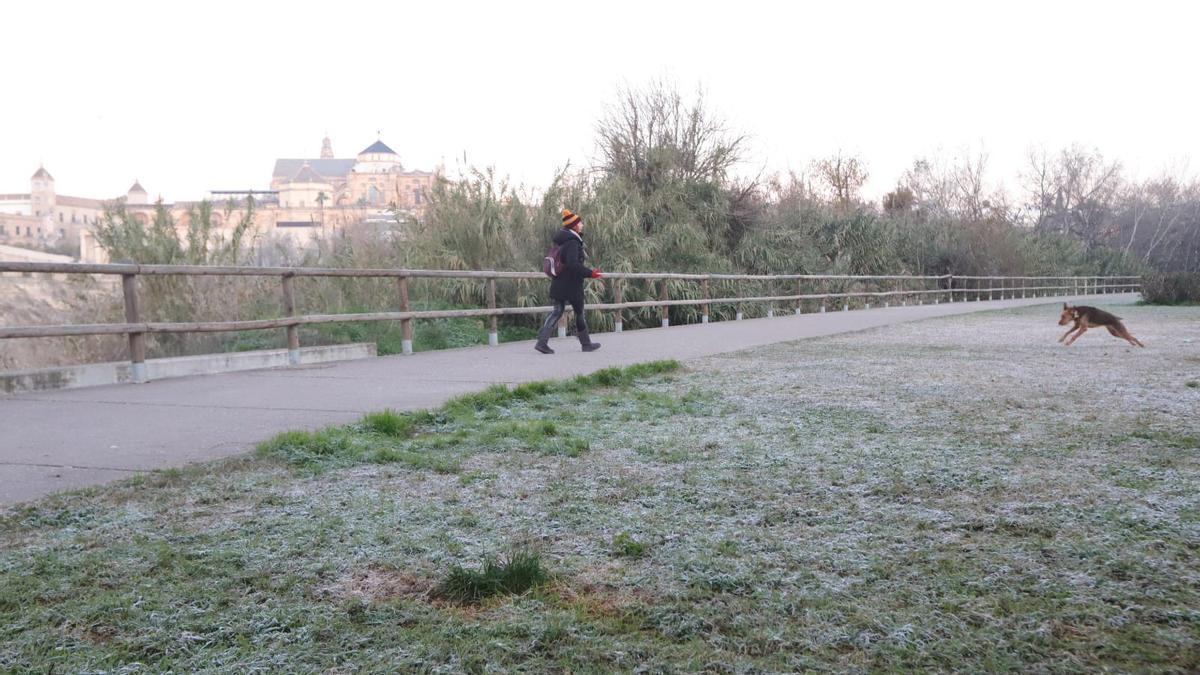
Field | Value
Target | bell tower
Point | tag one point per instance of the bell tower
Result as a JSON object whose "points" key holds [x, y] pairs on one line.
{"points": [[41, 189], [326, 148]]}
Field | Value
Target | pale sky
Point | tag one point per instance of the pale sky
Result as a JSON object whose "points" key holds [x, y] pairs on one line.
{"points": [[188, 97]]}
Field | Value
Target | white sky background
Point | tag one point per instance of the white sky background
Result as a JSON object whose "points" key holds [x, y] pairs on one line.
{"points": [[188, 97]]}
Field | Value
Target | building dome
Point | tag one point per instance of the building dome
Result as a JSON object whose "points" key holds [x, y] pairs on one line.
{"points": [[378, 158], [377, 148]]}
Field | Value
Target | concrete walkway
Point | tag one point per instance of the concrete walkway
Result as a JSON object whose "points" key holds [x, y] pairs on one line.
{"points": [[58, 440]]}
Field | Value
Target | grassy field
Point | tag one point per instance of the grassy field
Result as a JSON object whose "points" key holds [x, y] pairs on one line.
{"points": [[957, 494]]}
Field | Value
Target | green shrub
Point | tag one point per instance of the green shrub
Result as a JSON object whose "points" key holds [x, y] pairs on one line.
{"points": [[1179, 288]]}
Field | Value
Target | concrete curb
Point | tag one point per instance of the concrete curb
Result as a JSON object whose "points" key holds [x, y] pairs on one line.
{"points": [[97, 374]]}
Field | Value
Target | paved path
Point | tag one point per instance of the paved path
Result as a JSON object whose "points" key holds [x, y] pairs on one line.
{"points": [[58, 440]]}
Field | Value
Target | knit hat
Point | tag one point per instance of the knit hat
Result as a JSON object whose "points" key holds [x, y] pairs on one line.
{"points": [[569, 219]]}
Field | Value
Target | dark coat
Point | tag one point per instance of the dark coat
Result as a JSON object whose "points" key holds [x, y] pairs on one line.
{"points": [[568, 285]]}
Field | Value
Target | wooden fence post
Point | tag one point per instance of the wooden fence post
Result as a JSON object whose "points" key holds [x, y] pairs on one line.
{"points": [[619, 298], [289, 310], [493, 320], [704, 307], [662, 295], [799, 291], [137, 341], [406, 329], [824, 294]]}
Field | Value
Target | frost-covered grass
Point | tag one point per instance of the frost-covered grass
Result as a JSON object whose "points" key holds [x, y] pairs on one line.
{"points": [[958, 494]]}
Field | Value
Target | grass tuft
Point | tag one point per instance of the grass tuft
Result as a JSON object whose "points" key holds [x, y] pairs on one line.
{"points": [[389, 423], [625, 546], [307, 448], [624, 377], [519, 572]]}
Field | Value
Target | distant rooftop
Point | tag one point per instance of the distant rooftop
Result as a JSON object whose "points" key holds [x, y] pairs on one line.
{"points": [[307, 175], [378, 147], [287, 168]]}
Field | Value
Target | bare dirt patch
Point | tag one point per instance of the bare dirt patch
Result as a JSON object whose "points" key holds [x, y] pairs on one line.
{"points": [[377, 583]]}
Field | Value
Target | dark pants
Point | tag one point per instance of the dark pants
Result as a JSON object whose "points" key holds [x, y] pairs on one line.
{"points": [[560, 306]]}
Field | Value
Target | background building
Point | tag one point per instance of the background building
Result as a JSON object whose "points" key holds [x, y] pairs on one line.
{"points": [[42, 218], [375, 179], [308, 198]]}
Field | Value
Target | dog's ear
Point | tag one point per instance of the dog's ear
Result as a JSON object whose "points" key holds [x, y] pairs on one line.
{"points": [[1066, 306]]}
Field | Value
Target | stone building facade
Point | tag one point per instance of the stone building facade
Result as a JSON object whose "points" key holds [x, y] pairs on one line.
{"points": [[308, 198]]}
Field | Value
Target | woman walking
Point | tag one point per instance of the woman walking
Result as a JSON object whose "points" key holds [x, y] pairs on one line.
{"points": [[567, 285]]}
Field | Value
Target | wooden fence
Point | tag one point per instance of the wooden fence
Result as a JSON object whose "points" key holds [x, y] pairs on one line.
{"points": [[819, 291]]}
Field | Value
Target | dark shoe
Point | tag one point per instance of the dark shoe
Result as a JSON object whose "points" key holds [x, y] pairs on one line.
{"points": [[585, 341], [543, 348]]}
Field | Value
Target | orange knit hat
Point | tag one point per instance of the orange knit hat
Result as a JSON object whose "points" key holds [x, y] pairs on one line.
{"points": [[569, 219]]}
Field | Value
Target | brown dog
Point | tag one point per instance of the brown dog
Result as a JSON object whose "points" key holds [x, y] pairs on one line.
{"points": [[1090, 317]]}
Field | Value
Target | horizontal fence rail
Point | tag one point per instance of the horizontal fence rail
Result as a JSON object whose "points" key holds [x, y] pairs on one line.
{"points": [[813, 288]]}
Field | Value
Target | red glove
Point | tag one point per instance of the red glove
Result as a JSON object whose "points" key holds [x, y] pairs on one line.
{"points": [[595, 274]]}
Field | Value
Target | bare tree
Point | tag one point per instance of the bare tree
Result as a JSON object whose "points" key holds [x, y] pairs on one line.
{"points": [[654, 137], [843, 176], [1073, 192], [958, 189], [1158, 220]]}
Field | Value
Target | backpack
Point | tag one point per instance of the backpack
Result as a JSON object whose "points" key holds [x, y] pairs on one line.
{"points": [[552, 264]]}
